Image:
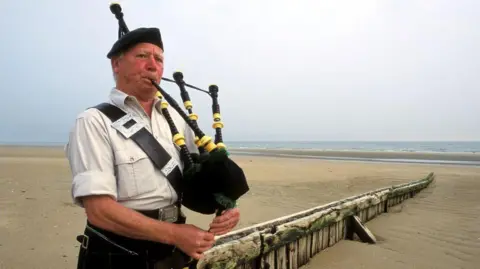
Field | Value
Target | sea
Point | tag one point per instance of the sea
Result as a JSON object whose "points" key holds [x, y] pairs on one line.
{"points": [[242, 147], [465, 147], [384, 146]]}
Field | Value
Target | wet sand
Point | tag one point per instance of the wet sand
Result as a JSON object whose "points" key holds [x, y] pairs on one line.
{"points": [[38, 222]]}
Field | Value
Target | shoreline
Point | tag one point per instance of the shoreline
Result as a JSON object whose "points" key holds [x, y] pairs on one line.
{"points": [[455, 158], [442, 158]]}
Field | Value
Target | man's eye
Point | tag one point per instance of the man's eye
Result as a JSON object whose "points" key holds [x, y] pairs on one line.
{"points": [[160, 60], [141, 55]]}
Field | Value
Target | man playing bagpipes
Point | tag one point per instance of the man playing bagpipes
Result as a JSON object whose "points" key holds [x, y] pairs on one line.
{"points": [[129, 163]]}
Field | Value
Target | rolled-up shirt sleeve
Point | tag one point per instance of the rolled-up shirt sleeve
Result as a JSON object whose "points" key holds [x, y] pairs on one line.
{"points": [[91, 159]]}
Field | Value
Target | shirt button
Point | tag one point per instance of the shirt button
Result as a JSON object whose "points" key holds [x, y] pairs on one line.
{"points": [[132, 159]]}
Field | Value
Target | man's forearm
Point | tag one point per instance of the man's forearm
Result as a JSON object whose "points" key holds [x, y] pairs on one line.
{"points": [[107, 214]]}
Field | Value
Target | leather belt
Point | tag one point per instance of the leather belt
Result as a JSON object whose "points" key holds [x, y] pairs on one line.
{"points": [[169, 213]]}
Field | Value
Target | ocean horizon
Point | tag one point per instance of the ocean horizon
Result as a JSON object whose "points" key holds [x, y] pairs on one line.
{"points": [[377, 146]]}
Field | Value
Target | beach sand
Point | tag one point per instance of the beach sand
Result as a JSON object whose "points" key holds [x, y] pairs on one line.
{"points": [[439, 228], [38, 223]]}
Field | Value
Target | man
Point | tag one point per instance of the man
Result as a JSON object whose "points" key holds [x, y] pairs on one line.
{"points": [[126, 198]]}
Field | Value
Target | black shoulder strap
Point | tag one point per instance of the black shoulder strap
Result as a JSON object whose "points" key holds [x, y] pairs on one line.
{"points": [[130, 128]]}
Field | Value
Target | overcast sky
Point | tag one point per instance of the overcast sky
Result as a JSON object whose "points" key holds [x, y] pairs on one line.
{"points": [[286, 70]]}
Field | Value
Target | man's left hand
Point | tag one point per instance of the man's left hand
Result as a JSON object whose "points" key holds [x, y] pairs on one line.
{"points": [[226, 222]]}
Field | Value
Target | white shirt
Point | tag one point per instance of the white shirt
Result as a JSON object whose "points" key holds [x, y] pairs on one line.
{"points": [[102, 161]]}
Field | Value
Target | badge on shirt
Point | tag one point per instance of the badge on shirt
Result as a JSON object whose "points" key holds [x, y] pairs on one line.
{"points": [[127, 125], [168, 168]]}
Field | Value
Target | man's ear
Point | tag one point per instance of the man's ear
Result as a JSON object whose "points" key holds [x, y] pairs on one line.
{"points": [[115, 64]]}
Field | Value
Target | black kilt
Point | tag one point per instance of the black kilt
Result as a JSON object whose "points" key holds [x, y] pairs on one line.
{"points": [[101, 249]]}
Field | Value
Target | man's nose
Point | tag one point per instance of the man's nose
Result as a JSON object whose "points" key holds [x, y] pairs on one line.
{"points": [[152, 64]]}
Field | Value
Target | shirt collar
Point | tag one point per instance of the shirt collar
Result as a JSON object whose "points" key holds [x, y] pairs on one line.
{"points": [[123, 100]]}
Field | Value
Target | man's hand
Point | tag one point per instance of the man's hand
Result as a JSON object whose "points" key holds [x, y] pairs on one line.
{"points": [[192, 240], [226, 222]]}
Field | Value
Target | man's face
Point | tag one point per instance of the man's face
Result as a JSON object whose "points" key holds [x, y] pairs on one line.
{"points": [[137, 67]]}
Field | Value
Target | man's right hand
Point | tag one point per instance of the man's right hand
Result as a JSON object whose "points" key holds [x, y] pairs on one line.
{"points": [[192, 240]]}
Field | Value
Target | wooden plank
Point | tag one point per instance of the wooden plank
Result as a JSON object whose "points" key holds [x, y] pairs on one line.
{"points": [[249, 265], [281, 257], [362, 231], [371, 212], [332, 235], [320, 239], [245, 249], [268, 261], [309, 246], [326, 237], [292, 252], [349, 231], [302, 251], [342, 229], [316, 243], [338, 231]]}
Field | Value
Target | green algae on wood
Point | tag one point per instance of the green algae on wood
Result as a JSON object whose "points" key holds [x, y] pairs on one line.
{"points": [[250, 244], [270, 224], [411, 186], [229, 255], [292, 231]]}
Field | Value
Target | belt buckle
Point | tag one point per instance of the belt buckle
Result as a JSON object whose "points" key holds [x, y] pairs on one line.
{"points": [[169, 213]]}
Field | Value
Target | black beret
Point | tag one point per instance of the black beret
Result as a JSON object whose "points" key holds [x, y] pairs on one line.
{"points": [[140, 35]]}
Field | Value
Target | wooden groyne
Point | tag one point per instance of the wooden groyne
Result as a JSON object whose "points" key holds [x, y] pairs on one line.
{"points": [[290, 241]]}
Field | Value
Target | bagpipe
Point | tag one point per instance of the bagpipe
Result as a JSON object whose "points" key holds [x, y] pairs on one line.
{"points": [[211, 182]]}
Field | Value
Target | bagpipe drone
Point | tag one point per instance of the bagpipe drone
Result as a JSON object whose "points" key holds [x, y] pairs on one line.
{"points": [[211, 182]]}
